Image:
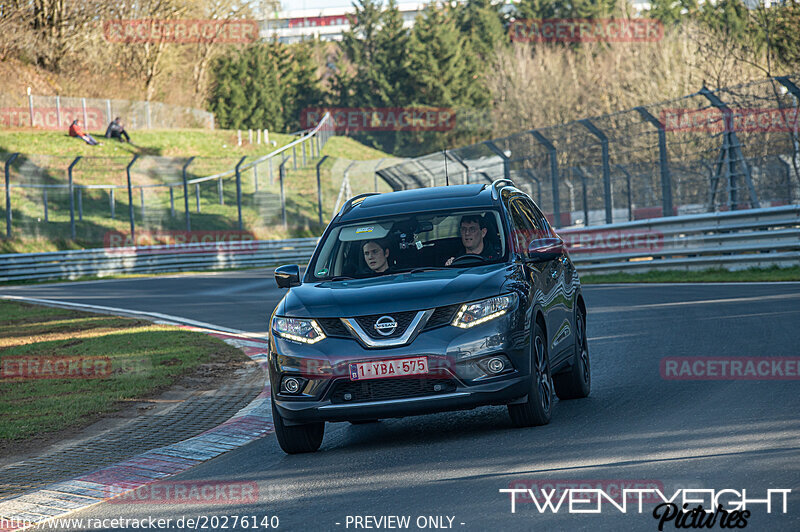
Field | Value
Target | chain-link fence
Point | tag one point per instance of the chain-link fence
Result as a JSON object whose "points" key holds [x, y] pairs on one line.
{"points": [[123, 201], [58, 112], [726, 149]]}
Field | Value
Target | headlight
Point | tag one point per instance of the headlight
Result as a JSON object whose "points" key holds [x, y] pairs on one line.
{"points": [[471, 314], [298, 329]]}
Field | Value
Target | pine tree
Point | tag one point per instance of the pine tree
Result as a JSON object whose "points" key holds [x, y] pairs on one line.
{"points": [[483, 23]]}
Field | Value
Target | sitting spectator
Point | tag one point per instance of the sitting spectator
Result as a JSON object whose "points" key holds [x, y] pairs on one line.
{"points": [[75, 130], [117, 131]]}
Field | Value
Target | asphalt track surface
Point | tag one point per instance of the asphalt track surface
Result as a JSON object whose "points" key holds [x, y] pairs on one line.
{"points": [[636, 427]]}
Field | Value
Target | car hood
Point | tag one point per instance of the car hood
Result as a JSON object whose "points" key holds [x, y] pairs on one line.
{"points": [[394, 292]]}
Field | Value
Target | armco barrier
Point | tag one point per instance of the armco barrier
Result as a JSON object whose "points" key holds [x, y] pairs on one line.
{"points": [[154, 259], [732, 240]]}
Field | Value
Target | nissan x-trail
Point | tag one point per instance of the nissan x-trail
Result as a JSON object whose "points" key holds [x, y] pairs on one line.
{"points": [[424, 301]]}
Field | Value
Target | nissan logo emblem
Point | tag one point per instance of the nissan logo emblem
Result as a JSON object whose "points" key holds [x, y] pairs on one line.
{"points": [[385, 325]]}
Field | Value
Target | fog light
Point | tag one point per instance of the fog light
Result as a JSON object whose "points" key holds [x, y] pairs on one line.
{"points": [[291, 385], [348, 396], [438, 387], [495, 365]]}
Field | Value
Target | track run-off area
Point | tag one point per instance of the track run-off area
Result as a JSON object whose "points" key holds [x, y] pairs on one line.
{"points": [[646, 423]]}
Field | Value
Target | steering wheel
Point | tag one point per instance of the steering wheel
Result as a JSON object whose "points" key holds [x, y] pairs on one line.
{"points": [[469, 256]]}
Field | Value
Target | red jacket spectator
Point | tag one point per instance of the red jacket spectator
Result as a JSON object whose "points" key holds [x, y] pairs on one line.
{"points": [[75, 130]]}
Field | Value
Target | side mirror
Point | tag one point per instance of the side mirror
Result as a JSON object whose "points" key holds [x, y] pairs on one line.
{"points": [[287, 276], [545, 249]]}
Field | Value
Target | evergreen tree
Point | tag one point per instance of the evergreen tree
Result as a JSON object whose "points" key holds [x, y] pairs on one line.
{"points": [[483, 23]]}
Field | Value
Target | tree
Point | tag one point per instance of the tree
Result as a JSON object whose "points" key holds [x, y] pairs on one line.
{"points": [[483, 24]]}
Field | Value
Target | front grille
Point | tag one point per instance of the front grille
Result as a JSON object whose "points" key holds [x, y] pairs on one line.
{"points": [[442, 316], [403, 320], [385, 389], [334, 327]]}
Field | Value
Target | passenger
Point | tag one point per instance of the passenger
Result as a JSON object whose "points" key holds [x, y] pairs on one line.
{"points": [[473, 238], [376, 255]]}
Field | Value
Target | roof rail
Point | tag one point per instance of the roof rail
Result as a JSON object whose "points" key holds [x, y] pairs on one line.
{"points": [[498, 184], [355, 200]]}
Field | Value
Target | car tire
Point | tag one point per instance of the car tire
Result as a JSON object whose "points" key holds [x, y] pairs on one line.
{"points": [[576, 382], [295, 439], [539, 405]]}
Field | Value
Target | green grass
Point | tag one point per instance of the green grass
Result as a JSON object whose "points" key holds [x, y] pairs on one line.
{"points": [[261, 214], [702, 276], [167, 143], [143, 359]]}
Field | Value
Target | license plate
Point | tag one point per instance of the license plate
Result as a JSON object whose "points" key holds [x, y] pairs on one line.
{"points": [[382, 369]]}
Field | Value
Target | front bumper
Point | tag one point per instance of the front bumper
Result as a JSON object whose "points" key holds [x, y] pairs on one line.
{"points": [[453, 354]]}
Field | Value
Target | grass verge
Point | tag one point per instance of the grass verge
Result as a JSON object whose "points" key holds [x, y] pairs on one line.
{"points": [[113, 360], [702, 276]]}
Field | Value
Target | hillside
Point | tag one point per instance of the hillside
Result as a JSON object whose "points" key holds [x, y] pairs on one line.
{"points": [[45, 157]]}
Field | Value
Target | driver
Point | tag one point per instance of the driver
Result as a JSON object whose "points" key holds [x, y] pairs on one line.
{"points": [[473, 238], [376, 255]]}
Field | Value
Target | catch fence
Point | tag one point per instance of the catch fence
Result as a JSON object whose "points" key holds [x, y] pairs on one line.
{"points": [[712, 151]]}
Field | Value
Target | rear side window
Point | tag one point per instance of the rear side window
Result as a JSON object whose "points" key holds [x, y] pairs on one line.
{"points": [[527, 225]]}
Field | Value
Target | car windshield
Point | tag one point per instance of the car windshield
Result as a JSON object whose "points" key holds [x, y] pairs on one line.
{"points": [[410, 242]]}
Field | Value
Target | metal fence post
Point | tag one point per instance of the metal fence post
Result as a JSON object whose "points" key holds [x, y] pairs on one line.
{"points": [[149, 119], [303, 144], [141, 200], [319, 188], [130, 198], [255, 177], [197, 197], [630, 196], [30, 108], [582, 175], [8, 192], [85, 116], [271, 180], [541, 139], [538, 185], [506, 159], [239, 190], [44, 201], [730, 152], [608, 199], [219, 191], [281, 175], [456, 158], [80, 204], [72, 196], [294, 156], [171, 202], [186, 194], [58, 110], [663, 161], [108, 111], [112, 202]]}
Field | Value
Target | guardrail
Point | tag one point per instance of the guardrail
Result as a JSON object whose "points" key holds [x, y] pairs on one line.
{"points": [[733, 240], [154, 259]]}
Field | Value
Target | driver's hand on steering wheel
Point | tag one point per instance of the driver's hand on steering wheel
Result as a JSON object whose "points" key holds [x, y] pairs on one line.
{"points": [[449, 261]]}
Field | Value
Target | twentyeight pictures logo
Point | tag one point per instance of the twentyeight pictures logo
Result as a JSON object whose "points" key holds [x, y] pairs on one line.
{"points": [[180, 31], [582, 30]]}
